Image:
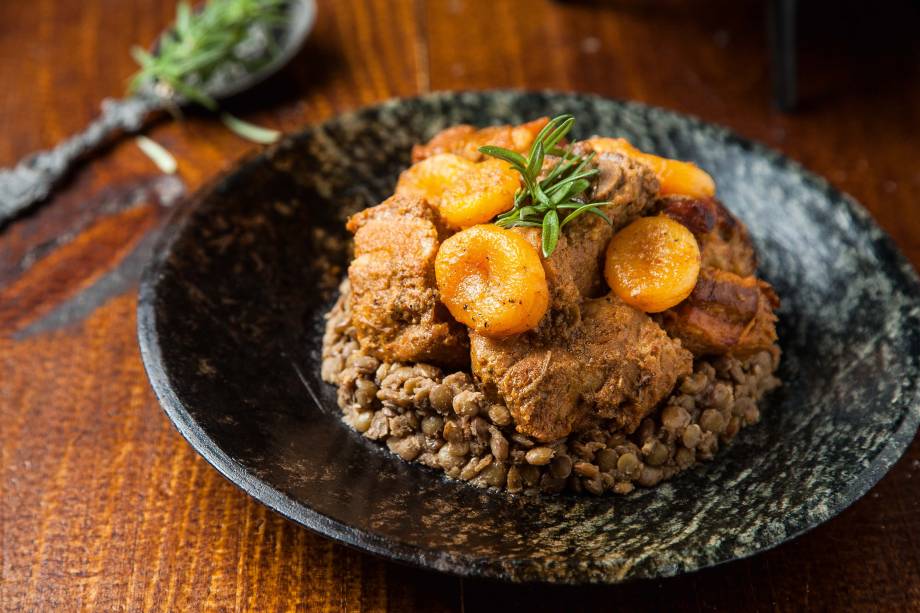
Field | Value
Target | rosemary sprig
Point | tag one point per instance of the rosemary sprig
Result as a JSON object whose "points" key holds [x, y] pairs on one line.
{"points": [[202, 43], [210, 46], [540, 202]]}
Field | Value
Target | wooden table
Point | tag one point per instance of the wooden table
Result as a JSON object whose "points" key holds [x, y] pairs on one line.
{"points": [[105, 507]]}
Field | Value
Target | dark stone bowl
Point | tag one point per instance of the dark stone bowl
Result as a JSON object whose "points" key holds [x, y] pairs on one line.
{"points": [[231, 316]]}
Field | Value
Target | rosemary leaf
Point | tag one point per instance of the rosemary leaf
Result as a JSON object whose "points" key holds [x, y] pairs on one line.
{"points": [[523, 224], [559, 133], [183, 18], [550, 233], [535, 164], [244, 129], [157, 154], [512, 157], [141, 56], [585, 208]]}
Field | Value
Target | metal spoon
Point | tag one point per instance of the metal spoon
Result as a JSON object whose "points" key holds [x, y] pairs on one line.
{"points": [[34, 177]]}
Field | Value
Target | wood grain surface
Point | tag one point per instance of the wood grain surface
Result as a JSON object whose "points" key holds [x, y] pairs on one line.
{"points": [[103, 506]]}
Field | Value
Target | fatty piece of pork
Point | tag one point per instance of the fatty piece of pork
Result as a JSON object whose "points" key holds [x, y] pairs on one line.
{"points": [[730, 311], [725, 313], [615, 363], [723, 239], [394, 301]]}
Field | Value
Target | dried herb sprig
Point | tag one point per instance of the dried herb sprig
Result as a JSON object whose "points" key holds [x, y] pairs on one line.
{"points": [[540, 202]]}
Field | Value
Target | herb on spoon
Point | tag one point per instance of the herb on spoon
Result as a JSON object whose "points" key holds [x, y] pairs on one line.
{"points": [[540, 202], [209, 47]]}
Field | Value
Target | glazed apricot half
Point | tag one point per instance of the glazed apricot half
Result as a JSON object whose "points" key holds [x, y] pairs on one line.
{"points": [[653, 263], [465, 193], [674, 177], [492, 280], [479, 195]]}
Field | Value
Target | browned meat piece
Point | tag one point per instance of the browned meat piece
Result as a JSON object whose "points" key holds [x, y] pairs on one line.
{"points": [[465, 140], [565, 295], [730, 310], [724, 241], [616, 363], [726, 313], [628, 185], [630, 188], [394, 299]]}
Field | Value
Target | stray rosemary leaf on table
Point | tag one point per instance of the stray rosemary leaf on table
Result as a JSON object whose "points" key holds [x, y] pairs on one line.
{"points": [[540, 202], [157, 154], [257, 134]]}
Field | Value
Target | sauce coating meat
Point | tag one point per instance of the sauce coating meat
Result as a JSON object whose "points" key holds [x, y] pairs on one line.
{"points": [[614, 363], [394, 301]]}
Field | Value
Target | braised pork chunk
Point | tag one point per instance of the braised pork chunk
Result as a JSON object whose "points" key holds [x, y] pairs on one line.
{"points": [[615, 363], [726, 313], [730, 309], [394, 298]]}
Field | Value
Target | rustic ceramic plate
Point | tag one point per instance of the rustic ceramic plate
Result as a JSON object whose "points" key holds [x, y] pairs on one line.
{"points": [[230, 321]]}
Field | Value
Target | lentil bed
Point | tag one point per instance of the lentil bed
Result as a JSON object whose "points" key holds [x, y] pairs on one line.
{"points": [[444, 421]]}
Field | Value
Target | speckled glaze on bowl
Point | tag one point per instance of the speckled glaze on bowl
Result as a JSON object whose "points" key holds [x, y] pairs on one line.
{"points": [[230, 321]]}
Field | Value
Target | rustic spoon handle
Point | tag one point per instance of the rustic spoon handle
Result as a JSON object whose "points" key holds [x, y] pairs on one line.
{"points": [[34, 177]]}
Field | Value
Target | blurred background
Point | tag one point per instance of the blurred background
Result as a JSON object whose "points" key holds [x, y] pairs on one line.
{"points": [[857, 70]]}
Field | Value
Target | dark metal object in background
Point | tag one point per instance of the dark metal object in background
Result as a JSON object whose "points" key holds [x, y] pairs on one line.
{"points": [[781, 34], [33, 178]]}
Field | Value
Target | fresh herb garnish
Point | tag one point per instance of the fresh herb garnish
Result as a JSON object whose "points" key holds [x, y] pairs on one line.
{"points": [[540, 202]]}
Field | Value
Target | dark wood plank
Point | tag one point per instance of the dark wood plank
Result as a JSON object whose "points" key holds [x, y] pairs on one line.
{"points": [[104, 507]]}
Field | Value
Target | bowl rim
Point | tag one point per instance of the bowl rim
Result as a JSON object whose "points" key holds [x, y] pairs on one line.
{"points": [[416, 555]]}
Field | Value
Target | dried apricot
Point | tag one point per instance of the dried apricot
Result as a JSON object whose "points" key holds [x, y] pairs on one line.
{"points": [[653, 263], [429, 178], [465, 193], [492, 280], [479, 195]]}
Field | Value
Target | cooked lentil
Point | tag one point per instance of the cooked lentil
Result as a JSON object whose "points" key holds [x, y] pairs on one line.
{"points": [[443, 420]]}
